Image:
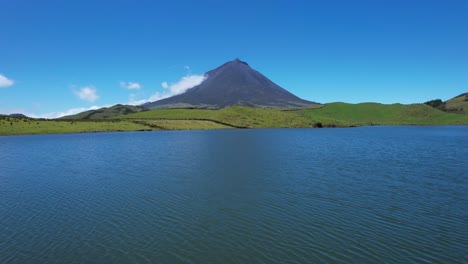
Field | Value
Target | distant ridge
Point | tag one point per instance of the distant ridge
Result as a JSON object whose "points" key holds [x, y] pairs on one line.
{"points": [[233, 83], [107, 112], [18, 115], [456, 105]]}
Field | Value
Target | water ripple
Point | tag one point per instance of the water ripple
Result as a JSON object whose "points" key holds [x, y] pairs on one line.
{"points": [[364, 195]]}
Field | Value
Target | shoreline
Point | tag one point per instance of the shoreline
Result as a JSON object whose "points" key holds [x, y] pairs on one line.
{"points": [[253, 128]]}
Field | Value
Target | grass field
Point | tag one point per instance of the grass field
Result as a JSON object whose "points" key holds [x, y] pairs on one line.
{"points": [[182, 124], [330, 115], [22, 126], [27, 126], [380, 114], [241, 116]]}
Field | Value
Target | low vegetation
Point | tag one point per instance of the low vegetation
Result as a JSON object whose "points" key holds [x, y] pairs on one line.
{"points": [[456, 105], [182, 124], [329, 115], [381, 114], [437, 103], [242, 116], [21, 126]]}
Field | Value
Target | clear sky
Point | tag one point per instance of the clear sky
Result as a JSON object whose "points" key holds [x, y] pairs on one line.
{"points": [[62, 55]]}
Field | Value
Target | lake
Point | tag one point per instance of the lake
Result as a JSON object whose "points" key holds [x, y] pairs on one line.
{"points": [[354, 195]]}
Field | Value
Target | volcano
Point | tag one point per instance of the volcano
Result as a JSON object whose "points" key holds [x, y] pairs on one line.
{"points": [[233, 83]]}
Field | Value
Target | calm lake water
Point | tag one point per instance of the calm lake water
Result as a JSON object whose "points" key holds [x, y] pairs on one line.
{"points": [[356, 195]]}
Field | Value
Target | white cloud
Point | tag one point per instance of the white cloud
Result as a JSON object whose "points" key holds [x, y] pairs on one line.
{"points": [[154, 97], [87, 93], [5, 82], [172, 89], [67, 112], [71, 111], [184, 84], [130, 85], [50, 115]]}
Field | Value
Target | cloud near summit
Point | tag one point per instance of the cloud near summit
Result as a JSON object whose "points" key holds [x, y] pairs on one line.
{"points": [[172, 89], [89, 94], [184, 84]]}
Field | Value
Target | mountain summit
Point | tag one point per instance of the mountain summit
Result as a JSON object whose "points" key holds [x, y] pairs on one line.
{"points": [[233, 83]]}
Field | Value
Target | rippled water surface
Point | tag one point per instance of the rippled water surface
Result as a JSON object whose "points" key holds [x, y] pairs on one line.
{"points": [[359, 195]]}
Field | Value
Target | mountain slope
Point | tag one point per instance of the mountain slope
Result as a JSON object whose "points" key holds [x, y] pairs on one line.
{"points": [[233, 83], [107, 112]]}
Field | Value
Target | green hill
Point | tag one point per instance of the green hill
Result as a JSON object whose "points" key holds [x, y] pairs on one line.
{"points": [[240, 116], [457, 105], [329, 115], [107, 112], [381, 114]]}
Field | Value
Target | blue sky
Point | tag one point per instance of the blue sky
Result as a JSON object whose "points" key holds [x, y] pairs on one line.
{"points": [[62, 55]]}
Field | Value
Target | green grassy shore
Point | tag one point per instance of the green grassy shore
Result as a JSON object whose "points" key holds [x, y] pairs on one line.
{"points": [[25, 126], [329, 115]]}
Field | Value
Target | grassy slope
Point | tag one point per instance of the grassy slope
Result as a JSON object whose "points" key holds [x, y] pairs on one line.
{"points": [[24, 126], [334, 114], [458, 104], [380, 114], [183, 124], [21, 126], [240, 116]]}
